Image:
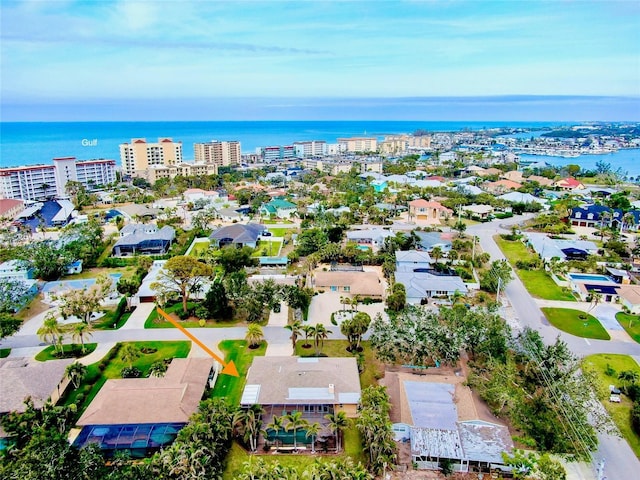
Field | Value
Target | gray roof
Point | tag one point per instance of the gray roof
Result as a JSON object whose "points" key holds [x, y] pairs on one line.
{"points": [[141, 210], [417, 284], [484, 441], [429, 240], [21, 378], [518, 197], [138, 236], [240, 233], [548, 247], [412, 256], [294, 380], [431, 404]]}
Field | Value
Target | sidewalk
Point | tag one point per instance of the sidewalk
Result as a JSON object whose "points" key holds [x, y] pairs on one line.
{"points": [[98, 354]]}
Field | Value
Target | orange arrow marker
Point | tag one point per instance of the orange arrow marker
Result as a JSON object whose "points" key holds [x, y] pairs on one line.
{"points": [[227, 368]]}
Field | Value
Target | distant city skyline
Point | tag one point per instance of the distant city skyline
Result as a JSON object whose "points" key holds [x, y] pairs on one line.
{"points": [[165, 60]]}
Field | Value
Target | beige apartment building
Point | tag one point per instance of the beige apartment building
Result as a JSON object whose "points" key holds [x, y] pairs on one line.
{"points": [[222, 154], [398, 144], [154, 172], [358, 144], [136, 157]]}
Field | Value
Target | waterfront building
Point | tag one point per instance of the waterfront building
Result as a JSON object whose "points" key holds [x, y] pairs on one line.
{"points": [[359, 144], [277, 152], [154, 172], [39, 182], [313, 148], [139, 155], [220, 153]]}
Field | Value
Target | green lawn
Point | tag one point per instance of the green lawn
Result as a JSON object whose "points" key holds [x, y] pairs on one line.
{"points": [[631, 323], [268, 248], [568, 320], [620, 412], [156, 321], [112, 365], [69, 350], [281, 232], [4, 352], [199, 247], [373, 369], [238, 456], [238, 351], [537, 282], [127, 272]]}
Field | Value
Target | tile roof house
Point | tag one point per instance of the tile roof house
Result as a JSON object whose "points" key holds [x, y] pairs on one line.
{"points": [[422, 210], [145, 413], [542, 181], [569, 184], [311, 385], [21, 378], [138, 238], [238, 234], [364, 284], [501, 186], [10, 208]]}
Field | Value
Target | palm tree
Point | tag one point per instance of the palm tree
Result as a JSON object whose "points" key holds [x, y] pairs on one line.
{"points": [[436, 253], [254, 335], [296, 329], [276, 424], [129, 353], [337, 423], [320, 334], [628, 221], [312, 431], [50, 331], [309, 331], [294, 422], [80, 331], [248, 423], [158, 369], [75, 372], [628, 376], [596, 297]]}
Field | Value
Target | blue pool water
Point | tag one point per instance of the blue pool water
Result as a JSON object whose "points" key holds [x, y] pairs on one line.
{"points": [[589, 277]]}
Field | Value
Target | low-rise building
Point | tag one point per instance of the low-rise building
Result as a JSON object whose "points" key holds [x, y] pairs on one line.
{"points": [[422, 210], [239, 235], [349, 282], [423, 286], [144, 239], [10, 208]]}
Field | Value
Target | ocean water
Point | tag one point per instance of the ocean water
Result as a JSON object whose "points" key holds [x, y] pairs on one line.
{"points": [[28, 143]]}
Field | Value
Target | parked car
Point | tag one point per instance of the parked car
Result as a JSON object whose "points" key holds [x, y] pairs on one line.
{"points": [[614, 398]]}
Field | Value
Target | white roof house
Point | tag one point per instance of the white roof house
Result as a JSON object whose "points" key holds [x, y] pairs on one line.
{"points": [[421, 285]]}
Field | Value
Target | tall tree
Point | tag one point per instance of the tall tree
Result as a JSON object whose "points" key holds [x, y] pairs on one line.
{"points": [[83, 303], [80, 332], [320, 334], [296, 329], [254, 336], [50, 331], [294, 423], [337, 423], [182, 274], [75, 372], [129, 353]]}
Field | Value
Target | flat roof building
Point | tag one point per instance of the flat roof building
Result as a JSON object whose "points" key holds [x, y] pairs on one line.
{"points": [[139, 155], [220, 153]]}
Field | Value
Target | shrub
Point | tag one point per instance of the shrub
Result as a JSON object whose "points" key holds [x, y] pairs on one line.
{"points": [[610, 371], [635, 417], [633, 392], [130, 372], [182, 315]]}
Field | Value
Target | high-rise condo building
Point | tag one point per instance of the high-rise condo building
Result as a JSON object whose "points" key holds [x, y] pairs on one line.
{"points": [[222, 154], [359, 144], [138, 155], [312, 148], [39, 182]]}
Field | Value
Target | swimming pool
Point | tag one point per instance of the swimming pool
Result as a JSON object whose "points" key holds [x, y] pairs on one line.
{"points": [[589, 277]]}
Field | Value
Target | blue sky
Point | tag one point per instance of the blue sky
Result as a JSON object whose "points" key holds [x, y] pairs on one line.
{"points": [[63, 57]]}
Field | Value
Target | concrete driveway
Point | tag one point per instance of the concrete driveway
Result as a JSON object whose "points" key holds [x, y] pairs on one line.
{"points": [[606, 314], [324, 304]]}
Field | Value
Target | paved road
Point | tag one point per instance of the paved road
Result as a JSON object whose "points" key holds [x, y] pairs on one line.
{"points": [[620, 459]]}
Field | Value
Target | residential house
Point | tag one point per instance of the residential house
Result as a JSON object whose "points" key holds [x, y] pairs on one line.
{"points": [[60, 288], [518, 197], [569, 184], [231, 215], [278, 208], [482, 212], [422, 286], [513, 175], [15, 270], [548, 248], [371, 237], [240, 235], [444, 425], [422, 210], [501, 186], [349, 282], [192, 195], [120, 417], [315, 386], [137, 212], [429, 240], [144, 239], [542, 181], [598, 215], [630, 297], [412, 260], [22, 378]]}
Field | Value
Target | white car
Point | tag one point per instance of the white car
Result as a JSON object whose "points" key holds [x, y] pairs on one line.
{"points": [[614, 398]]}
